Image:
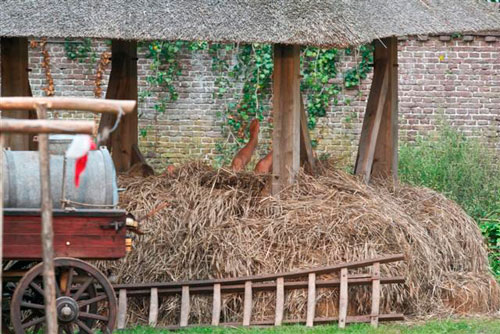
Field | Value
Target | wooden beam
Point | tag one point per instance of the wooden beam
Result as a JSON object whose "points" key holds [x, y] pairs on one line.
{"points": [[377, 152], [45, 126], [122, 86], [372, 119], [15, 82], [286, 116], [306, 150], [68, 103], [385, 160]]}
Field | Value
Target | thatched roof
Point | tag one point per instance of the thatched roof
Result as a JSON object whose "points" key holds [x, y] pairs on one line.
{"points": [[311, 22]]}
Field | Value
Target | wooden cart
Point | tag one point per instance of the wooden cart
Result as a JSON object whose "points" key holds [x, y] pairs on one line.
{"points": [[77, 230], [85, 298]]}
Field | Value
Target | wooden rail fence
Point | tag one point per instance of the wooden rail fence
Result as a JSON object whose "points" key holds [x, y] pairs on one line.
{"points": [[248, 285]]}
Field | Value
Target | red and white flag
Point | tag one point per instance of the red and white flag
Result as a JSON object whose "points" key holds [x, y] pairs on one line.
{"points": [[79, 149]]}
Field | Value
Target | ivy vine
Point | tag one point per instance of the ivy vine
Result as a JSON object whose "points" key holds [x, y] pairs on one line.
{"points": [[354, 76], [244, 80], [79, 50]]}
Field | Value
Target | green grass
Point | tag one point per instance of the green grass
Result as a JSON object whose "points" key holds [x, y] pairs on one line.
{"points": [[465, 170], [490, 326]]}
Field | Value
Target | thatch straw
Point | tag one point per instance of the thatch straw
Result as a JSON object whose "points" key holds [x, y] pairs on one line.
{"points": [[219, 226], [338, 23]]}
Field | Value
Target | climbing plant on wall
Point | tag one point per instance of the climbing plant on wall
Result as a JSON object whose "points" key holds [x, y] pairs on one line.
{"points": [[244, 80]]}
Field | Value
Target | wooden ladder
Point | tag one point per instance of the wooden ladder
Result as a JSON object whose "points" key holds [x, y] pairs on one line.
{"points": [[277, 282]]}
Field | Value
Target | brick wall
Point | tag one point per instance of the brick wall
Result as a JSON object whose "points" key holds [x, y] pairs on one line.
{"points": [[441, 77]]}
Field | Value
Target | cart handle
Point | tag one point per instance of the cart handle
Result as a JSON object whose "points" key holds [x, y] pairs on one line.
{"points": [[68, 103], [44, 126]]}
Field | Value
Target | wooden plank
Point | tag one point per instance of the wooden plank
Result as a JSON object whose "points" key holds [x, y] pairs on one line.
{"points": [[353, 281], [185, 306], [280, 301], [306, 150], [153, 307], [385, 160], [217, 302], [311, 300], [69, 103], [122, 309], [15, 82], [81, 237], [45, 126], [247, 304], [375, 294], [287, 275], [123, 86], [286, 116], [343, 298], [372, 119]]}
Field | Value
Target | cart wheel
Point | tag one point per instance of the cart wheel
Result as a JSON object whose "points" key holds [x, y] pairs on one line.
{"points": [[85, 302]]}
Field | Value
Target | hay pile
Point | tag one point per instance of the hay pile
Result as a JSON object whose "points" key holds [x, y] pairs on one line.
{"points": [[219, 226]]}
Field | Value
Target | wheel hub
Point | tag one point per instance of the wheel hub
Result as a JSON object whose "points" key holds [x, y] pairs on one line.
{"points": [[67, 309]]}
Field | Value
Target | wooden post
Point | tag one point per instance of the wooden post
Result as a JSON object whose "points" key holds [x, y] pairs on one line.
{"points": [[385, 160], [185, 307], [247, 304], [216, 305], [122, 86], [286, 116], [153, 307], [122, 309], [377, 152], [343, 298], [49, 279], [1, 223], [280, 301], [306, 150], [375, 294], [311, 300], [15, 82]]}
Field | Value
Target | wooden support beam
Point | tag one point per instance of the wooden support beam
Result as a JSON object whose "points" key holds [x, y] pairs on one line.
{"points": [[122, 86], [286, 116], [306, 150], [385, 160], [15, 82], [377, 152]]}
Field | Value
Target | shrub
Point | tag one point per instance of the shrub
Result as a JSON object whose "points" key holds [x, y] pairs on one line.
{"points": [[465, 170]]}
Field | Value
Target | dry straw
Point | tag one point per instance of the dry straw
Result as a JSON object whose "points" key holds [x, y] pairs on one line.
{"points": [[218, 225]]}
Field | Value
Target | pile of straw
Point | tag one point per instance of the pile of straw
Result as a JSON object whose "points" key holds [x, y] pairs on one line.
{"points": [[218, 225]]}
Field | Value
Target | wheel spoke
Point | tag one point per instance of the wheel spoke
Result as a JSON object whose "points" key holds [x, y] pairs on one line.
{"points": [[68, 329], [84, 327], [82, 288], [31, 305], [92, 316], [37, 288], [34, 322], [69, 281], [92, 300]]}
